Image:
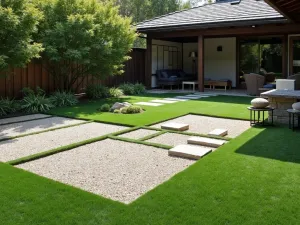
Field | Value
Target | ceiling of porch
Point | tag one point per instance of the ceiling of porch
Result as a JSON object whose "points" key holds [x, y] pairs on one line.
{"points": [[288, 8]]}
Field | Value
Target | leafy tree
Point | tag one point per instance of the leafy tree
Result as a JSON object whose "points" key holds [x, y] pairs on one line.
{"points": [[82, 38], [18, 22]]}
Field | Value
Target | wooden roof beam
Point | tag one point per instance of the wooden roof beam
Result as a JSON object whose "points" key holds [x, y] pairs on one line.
{"points": [[273, 4]]}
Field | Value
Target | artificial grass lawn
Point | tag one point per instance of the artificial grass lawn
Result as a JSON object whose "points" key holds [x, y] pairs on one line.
{"points": [[254, 179], [222, 106]]}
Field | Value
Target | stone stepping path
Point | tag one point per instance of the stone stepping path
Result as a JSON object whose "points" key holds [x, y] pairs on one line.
{"points": [[218, 132], [199, 96], [205, 94], [23, 118], [208, 142], [163, 101], [176, 99], [149, 104], [189, 98], [175, 126], [189, 151]]}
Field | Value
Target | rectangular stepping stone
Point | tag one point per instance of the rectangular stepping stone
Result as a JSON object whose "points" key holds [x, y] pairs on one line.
{"points": [[176, 99], [187, 97], [199, 96], [148, 104], [189, 151], [218, 132], [162, 101], [208, 142], [204, 94], [175, 126]]}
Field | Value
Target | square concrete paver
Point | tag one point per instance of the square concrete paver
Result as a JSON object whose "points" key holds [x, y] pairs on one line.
{"points": [[33, 144], [23, 118], [189, 151], [114, 169], [206, 124], [149, 104], [138, 134], [175, 126], [16, 129]]}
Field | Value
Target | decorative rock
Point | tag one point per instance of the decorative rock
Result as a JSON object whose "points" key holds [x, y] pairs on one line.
{"points": [[260, 103], [119, 105], [296, 106]]}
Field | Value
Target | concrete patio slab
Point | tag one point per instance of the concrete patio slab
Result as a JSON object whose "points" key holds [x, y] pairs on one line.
{"points": [[208, 142], [175, 126], [138, 134], [33, 144], [148, 104], [218, 132], [162, 101], [22, 128], [206, 124], [23, 118], [114, 169], [189, 151]]}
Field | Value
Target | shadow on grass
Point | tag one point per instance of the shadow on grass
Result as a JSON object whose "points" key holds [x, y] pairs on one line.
{"points": [[277, 143]]}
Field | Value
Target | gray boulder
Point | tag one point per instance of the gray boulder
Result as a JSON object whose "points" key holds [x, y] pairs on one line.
{"points": [[119, 105]]}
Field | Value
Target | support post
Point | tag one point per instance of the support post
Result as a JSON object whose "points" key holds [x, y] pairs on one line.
{"points": [[148, 63], [285, 62], [201, 63]]}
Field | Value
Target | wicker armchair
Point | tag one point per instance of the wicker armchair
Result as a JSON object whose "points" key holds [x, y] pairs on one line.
{"points": [[254, 82], [296, 77]]}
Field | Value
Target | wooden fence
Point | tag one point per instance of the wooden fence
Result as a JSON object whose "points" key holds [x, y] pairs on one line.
{"points": [[35, 75]]}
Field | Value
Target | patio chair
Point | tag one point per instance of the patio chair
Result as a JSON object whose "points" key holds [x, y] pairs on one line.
{"points": [[254, 82], [295, 77]]}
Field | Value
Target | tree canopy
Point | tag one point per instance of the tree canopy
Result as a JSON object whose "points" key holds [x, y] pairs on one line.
{"points": [[18, 22]]}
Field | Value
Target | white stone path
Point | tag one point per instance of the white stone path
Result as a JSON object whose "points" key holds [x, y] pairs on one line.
{"points": [[182, 98]]}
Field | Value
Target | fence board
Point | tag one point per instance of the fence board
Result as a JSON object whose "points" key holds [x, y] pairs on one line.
{"points": [[36, 75]]}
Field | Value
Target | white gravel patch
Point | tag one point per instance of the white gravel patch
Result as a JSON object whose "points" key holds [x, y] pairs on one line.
{"points": [[138, 134], [29, 145], [114, 169], [23, 118], [205, 124], [16, 129], [172, 139]]}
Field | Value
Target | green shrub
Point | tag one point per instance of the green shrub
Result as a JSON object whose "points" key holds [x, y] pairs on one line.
{"points": [[115, 92], [105, 108], [63, 98], [7, 106], [97, 91], [117, 111], [134, 109], [26, 91], [124, 110], [139, 89], [36, 103], [128, 89]]}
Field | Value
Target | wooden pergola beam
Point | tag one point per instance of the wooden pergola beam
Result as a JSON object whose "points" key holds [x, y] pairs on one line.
{"points": [[274, 4]]}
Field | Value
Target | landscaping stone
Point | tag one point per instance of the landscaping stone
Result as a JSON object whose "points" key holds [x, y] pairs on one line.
{"points": [[22, 128], [138, 134], [23, 118], [162, 101], [117, 170], [175, 126], [119, 105], [218, 132], [208, 142], [205, 124], [189, 151], [148, 104], [33, 144]]}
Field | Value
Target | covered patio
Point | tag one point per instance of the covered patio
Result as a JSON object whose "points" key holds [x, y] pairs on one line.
{"points": [[207, 44]]}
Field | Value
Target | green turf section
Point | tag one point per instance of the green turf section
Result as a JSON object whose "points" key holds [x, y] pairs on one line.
{"points": [[254, 179], [222, 106]]}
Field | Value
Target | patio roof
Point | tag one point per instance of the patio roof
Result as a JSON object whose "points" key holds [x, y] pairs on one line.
{"points": [[289, 8], [221, 14]]}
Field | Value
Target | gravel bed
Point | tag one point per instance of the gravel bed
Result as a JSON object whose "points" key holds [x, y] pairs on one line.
{"points": [[23, 118], [16, 129], [138, 134], [171, 139], [29, 145], [114, 169], [205, 124]]}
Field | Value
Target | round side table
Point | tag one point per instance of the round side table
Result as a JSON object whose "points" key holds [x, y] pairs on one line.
{"points": [[292, 113], [257, 116]]}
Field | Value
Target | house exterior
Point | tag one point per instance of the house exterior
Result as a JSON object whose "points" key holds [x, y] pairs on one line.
{"points": [[230, 37]]}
